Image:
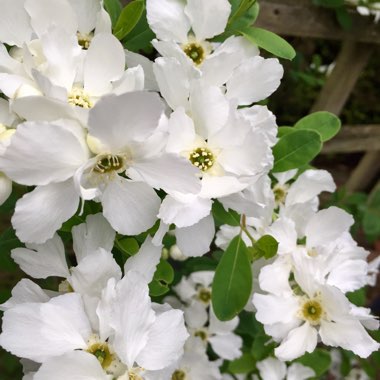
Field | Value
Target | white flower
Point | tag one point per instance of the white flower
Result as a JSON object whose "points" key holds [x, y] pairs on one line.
{"points": [[126, 342], [33, 17], [297, 319]]}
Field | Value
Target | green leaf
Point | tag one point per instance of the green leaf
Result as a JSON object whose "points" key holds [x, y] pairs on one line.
{"points": [[244, 13], [269, 41], [266, 247], [296, 149], [69, 224], [282, 131], [232, 283], [358, 297], [113, 7], [245, 364], [128, 246], [344, 18], [129, 18], [222, 216], [140, 37], [162, 278], [8, 241], [262, 346], [319, 360], [325, 123]]}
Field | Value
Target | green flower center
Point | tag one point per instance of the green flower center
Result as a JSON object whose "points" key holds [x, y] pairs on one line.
{"points": [[102, 352], [280, 194], [204, 295], [178, 375], [201, 334], [84, 40], [312, 311], [109, 163], [195, 52], [202, 158]]}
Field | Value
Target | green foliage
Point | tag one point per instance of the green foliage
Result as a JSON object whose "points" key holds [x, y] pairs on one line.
{"points": [[269, 41], [319, 360], [262, 346], [162, 278], [266, 247], [358, 297], [140, 37], [128, 246], [221, 216], [128, 19], [113, 7], [243, 13], [232, 283], [371, 218], [244, 364], [324, 123], [296, 149]]}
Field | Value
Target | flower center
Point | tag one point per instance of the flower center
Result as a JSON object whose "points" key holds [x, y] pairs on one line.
{"points": [[109, 163], [102, 352], [312, 311], [201, 334], [78, 97], [202, 158], [65, 287], [179, 375], [84, 40], [204, 295], [280, 193], [195, 52]]}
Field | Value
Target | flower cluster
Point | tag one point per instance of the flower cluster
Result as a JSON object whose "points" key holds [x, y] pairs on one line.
{"points": [[115, 148]]}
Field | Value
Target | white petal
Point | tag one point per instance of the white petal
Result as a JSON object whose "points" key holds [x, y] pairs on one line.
{"points": [[298, 371], [45, 13], [5, 188], [145, 261], [184, 213], [55, 203], [133, 316], [218, 67], [209, 107], [133, 60], [284, 177], [308, 185], [274, 278], [41, 153], [104, 63], [272, 369], [169, 172], [15, 26], [93, 272], [349, 276], [283, 230], [220, 327], [43, 260], [208, 18], [181, 132], [25, 291], [127, 117], [86, 14], [173, 80], [95, 233], [73, 365], [300, 340], [130, 207], [215, 187], [196, 239], [165, 343], [254, 80], [273, 309], [227, 346], [167, 19], [327, 226], [350, 335], [47, 329], [131, 80], [196, 315]]}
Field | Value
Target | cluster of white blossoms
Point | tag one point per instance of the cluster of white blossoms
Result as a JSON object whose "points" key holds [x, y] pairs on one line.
{"points": [[145, 149]]}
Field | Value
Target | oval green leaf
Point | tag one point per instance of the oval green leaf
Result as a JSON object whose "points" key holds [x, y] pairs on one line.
{"points": [[232, 283], [325, 123], [129, 18], [295, 150], [269, 41], [113, 7]]}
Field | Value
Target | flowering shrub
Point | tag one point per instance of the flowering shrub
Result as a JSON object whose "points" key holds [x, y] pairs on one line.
{"points": [[182, 223]]}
